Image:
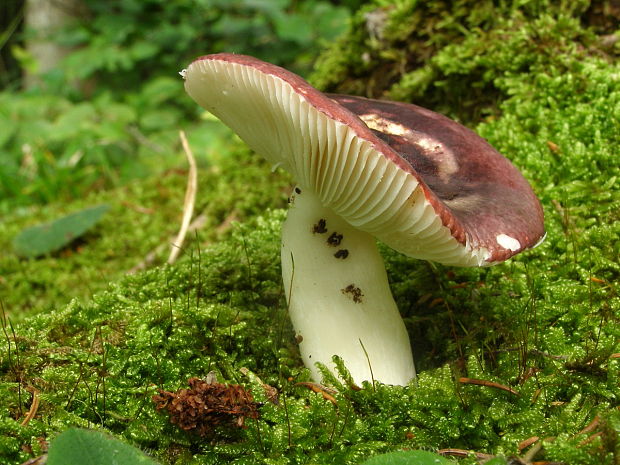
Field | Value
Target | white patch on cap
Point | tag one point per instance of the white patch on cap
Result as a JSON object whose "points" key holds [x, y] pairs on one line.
{"points": [[444, 158], [374, 121], [183, 73], [508, 242]]}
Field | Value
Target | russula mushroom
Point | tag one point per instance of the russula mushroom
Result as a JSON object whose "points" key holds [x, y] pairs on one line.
{"points": [[416, 180]]}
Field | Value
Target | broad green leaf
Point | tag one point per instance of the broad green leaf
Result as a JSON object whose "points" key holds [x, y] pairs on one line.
{"points": [[411, 457], [159, 118], [76, 120], [85, 447], [142, 50], [48, 237], [294, 27], [161, 89]]}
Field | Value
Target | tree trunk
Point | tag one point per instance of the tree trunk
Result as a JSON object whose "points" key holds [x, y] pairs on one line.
{"points": [[43, 19]]}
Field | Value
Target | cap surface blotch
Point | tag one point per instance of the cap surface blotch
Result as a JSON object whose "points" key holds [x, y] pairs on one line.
{"points": [[508, 242]]}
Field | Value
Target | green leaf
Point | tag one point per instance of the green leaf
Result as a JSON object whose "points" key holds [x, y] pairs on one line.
{"points": [[77, 119], [84, 447], [48, 237], [294, 27], [143, 49], [159, 119], [159, 90], [411, 457]]}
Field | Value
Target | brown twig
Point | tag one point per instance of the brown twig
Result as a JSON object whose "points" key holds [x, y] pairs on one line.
{"points": [[483, 382], [527, 443], [190, 200], [464, 453], [319, 389], [227, 223], [138, 208], [590, 426], [198, 223], [590, 438], [34, 406], [536, 448]]}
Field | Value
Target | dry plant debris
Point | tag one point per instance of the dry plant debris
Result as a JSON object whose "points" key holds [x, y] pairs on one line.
{"points": [[34, 406], [483, 382], [190, 200], [207, 405], [320, 389]]}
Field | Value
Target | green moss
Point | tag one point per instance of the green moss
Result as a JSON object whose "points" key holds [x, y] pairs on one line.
{"points": [[449, 56], [143, 217], [544, 324]]}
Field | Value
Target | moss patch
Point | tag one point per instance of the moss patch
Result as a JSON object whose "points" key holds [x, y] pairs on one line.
{"points": [[221, 309], [143, 218], [545, 325], [451, 56]]}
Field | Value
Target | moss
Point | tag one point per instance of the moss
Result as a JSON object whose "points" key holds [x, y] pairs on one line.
{"points": [[448, 56], [144, 216], [544, 324]]}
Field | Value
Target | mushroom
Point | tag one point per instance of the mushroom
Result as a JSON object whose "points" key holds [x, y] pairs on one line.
{"points": [[366, 169]]}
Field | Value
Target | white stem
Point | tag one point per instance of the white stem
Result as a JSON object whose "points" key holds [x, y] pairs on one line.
{"points": [[339, 298]]}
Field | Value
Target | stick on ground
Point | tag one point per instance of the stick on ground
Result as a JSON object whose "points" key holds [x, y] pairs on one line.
{"points": [[190, 200]]}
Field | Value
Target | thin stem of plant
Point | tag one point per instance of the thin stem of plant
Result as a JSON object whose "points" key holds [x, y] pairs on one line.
{"points": [[190, 200], [34, 407], [483, 382], [372, 376]]}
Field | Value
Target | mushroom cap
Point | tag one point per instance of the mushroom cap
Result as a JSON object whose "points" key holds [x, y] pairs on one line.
{"points": [[421, 183]]}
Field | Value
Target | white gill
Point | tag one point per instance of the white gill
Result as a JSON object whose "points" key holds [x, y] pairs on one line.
{"points": [[344, 170]]}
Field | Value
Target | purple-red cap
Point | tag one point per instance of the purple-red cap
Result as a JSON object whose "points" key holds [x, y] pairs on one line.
{"points": [[418, 181]]}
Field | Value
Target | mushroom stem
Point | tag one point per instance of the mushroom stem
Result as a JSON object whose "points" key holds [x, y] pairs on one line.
{"points": [[339, 296]]}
